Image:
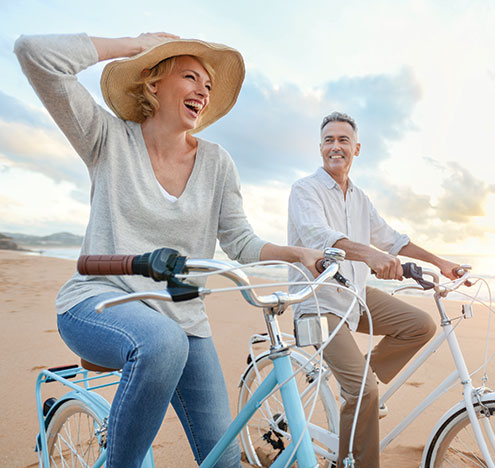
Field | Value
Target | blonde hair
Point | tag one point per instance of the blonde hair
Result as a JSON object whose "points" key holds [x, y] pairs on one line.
{"points": [[146, 100]]}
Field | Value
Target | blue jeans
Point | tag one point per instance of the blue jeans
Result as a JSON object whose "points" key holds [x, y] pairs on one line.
{"points": [[160, 364]]}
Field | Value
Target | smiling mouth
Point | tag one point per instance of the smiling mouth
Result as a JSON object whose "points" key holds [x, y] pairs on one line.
{"points": [[336, 156], [195, 106]]}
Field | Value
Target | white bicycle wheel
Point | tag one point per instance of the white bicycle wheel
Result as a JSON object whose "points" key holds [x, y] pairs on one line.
{"points": [[454, 444], [71, 438], [267, 433]]}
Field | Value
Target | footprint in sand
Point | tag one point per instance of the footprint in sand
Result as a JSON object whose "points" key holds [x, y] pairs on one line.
{"points": [[415, 384], [37, 368]]}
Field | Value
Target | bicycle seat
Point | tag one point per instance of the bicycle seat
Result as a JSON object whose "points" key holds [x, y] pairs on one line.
{"points": [[95, 367]]}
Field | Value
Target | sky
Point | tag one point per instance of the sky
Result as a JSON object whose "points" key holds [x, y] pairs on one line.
{"points": [[418, 76]]}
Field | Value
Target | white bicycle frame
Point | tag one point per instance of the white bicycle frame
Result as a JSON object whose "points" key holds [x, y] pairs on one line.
{"points": [[461, 373]]}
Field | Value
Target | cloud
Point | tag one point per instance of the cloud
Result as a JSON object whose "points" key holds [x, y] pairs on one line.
{"points": [[381, 105], [273, 132], [42, 150], [31, 199], [449, 217], [266, 210], [463, 197], [14, 110], [401, 203], [448, 232]]}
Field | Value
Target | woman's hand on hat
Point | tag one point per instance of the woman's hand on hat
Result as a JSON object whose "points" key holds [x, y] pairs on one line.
{"points": [[146, 41], [113, 48]]}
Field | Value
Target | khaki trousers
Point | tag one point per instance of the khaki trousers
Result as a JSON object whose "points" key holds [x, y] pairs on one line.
{"points": [[406, 329]]}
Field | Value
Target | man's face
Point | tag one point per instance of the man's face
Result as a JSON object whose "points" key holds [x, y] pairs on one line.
{"points": [[338, 147]]}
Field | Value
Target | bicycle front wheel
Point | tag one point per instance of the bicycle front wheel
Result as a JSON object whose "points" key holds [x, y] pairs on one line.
{"points": [[71, 436], [267, 433], [454, 444]]}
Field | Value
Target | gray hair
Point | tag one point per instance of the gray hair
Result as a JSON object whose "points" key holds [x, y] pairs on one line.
{"points": [[339, 117]]}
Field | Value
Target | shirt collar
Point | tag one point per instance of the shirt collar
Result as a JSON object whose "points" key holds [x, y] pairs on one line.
{"points": [[329, 181]]}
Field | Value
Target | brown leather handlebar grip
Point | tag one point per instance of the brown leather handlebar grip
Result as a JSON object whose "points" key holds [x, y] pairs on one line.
{"points": [[105, 264], [319, 265]]}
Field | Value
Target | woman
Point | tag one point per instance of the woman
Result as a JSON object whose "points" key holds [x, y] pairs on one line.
{"points": [[153, 184]]}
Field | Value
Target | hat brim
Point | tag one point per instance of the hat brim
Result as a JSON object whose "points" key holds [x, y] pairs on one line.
{"points": [[120, 77]]}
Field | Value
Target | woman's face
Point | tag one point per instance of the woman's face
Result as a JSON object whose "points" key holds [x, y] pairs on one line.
{"points": [[183, 94]]}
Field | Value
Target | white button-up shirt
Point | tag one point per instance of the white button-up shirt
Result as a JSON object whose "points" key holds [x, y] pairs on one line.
{"points": [[319, 216]]}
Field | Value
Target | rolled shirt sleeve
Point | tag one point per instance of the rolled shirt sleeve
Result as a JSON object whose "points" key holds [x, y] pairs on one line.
{"points": [[308, 224], [383, 236]]}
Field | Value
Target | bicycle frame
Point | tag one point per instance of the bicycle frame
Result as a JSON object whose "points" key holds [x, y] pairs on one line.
{"points": [[281, 374], [82, 390], [461, 373]]}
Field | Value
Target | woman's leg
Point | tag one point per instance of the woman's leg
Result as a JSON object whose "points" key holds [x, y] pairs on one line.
{"points": [[202, 404], [151, 350]]}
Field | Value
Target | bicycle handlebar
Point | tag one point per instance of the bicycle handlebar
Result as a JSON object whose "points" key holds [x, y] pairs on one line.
{"points": [[105, 264], [164, 264]]}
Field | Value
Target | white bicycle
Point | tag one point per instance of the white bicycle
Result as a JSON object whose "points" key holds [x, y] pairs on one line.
{"points": [[463, 437]]}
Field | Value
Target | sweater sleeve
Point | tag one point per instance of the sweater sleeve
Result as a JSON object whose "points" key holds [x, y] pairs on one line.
{"points": [[51, 63], [235, 234]]}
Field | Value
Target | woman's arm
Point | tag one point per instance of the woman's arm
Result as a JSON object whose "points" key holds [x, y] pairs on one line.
{"points": [[447, 268], [114, 48], [307, 257], [51, 63]]}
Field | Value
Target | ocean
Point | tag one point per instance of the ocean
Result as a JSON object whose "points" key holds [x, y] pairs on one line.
{"points": [[482, 265]]}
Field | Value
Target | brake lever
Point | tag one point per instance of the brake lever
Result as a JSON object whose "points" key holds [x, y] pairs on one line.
{"points": [[415, 272], [402, 288]]}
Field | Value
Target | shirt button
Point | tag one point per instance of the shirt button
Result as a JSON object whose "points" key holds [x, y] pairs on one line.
{"points": [[339, 290]]}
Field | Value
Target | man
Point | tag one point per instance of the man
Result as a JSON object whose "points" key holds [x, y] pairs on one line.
{"points": [[327, 210]]}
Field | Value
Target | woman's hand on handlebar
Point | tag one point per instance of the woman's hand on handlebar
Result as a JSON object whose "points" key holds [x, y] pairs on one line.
{"points": [[309, 257]]}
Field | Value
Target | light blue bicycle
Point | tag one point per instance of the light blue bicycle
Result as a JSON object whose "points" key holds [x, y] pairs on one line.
{"points": [[73, 427]]}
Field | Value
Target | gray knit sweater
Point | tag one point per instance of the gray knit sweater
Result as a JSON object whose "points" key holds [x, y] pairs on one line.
{"points": [[129, 214]]}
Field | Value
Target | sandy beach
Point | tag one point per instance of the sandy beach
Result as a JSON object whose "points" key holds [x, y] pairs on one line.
{"points": [[30, 342]]}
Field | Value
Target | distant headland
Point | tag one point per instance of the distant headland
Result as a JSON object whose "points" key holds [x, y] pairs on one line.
{"points": [[26, 242]]}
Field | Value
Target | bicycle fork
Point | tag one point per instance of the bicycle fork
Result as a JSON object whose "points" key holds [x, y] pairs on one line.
{"points": [[469, 391]]}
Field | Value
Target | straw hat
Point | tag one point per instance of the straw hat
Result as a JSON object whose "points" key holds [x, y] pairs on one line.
{"points": [[120, 76]]}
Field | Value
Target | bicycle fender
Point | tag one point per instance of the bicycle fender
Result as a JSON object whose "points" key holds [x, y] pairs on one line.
{"points": [[250, 365], [447, 415], [95, 401]]}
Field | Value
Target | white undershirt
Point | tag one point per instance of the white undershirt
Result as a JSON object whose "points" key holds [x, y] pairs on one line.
{"points": [[168, 196]]}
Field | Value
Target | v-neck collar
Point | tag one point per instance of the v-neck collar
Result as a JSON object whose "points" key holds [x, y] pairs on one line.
{"points": [[192, 177]]}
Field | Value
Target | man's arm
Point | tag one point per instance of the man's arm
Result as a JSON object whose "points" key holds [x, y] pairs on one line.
{"points": [[384, 265], [446, 267]]}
